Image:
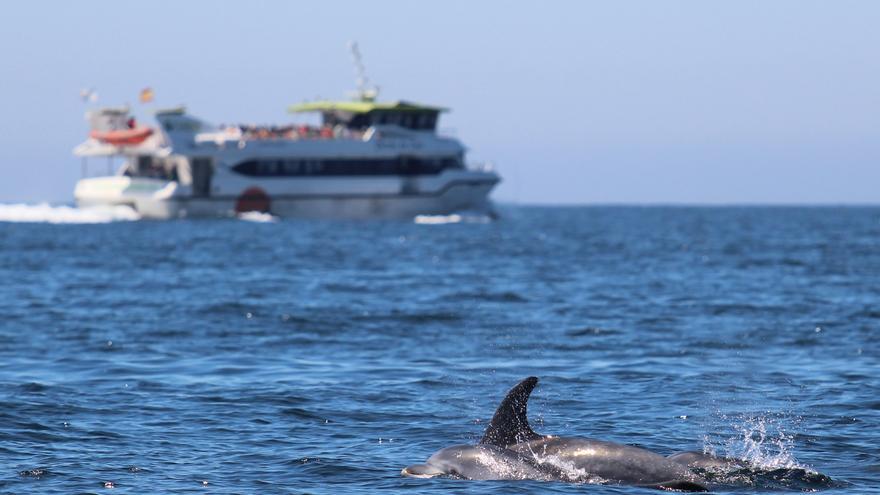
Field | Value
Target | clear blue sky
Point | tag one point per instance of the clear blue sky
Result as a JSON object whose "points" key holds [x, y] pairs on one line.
{"points": [[576, 102]]}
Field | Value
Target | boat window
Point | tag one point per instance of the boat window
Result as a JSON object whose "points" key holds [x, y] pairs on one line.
{"points": [[403, 165], [359, 121], [144, 163], [152, 167], [202, 170], [453, 162]]}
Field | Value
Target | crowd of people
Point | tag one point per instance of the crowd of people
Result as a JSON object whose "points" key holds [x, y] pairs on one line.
{"points": [[253, 132]]}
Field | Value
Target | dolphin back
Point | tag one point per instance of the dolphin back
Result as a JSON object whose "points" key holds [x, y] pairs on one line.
{"points": [[510, 424]]}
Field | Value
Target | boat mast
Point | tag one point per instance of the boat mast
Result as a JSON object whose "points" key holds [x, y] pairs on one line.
{"points": [[364, 92]]}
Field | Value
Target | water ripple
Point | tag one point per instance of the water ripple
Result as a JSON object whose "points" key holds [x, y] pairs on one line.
{"points": [[322, 357]]}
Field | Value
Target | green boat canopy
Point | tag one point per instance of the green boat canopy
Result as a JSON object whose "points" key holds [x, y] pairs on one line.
{"points": [[361, 106]]}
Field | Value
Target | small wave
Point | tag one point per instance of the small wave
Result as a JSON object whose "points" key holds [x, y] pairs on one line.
{"points": [[506, 296], [33, 387], [590, 332], [38, 473], [302, 414], [46, 213], [257, 216], [789, 479]]}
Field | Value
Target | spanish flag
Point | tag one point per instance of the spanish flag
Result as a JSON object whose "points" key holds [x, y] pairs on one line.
{"points": [[146, 95]]}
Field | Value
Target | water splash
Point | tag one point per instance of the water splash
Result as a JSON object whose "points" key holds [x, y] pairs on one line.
{"points": [[563, 468], [59, 214], [256, 216], [763, 441], [503, 467], [559, 468], [567, 470]]}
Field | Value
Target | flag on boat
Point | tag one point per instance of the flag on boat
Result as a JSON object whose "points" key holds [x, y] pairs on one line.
{"points": [[146, 95], [88, 95]]}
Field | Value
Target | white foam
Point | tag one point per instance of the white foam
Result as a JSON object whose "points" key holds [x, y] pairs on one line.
{"points": [[568, 468], [565, 467], [453, 218], [760, 440], [437, 219], [256, 216], [764, 443], [46, 213]]}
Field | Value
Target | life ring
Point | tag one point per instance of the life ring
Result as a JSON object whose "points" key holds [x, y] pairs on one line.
{"points": [[253, 199]]}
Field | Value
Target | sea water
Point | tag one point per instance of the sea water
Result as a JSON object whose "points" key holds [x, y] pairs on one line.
{"points": [[260, 355]]}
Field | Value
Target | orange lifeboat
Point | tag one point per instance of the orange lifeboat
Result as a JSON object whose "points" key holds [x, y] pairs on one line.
{"points": [[123, 137]]}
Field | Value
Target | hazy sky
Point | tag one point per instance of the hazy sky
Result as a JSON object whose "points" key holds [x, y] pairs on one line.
{"points": [[575, 102]]}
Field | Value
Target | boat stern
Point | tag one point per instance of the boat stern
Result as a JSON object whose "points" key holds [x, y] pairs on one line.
{"points": [[151, 198]]}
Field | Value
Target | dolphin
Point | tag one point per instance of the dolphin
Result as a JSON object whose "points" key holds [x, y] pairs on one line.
{"points": [[476, 462], [510, 449]]}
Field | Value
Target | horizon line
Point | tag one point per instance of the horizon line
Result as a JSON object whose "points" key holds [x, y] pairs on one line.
{"points": [[600, 204]]}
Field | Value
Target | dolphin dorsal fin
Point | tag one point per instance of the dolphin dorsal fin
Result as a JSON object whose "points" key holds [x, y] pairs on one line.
{"points": [[510, 424]]}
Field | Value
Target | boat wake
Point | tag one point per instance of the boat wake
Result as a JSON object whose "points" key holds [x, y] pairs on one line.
{"points": [[454, 218], [59, 214]]}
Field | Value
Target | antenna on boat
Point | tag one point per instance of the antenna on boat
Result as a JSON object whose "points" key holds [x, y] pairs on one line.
{"points": [[88, 95], [364, 92]]}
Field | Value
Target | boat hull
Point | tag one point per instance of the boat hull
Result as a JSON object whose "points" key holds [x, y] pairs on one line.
{"points": [[151, 198], [166, 200], [460, 197]]}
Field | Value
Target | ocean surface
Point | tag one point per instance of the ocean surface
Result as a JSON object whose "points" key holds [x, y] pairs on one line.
{"points": [[236, 356]]}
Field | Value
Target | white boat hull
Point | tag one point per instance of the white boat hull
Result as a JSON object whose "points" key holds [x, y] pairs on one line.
{"points": [[151, 198], [346, 199]]}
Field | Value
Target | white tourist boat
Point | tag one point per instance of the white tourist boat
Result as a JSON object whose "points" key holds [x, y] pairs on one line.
{"points": [[367, 159]]}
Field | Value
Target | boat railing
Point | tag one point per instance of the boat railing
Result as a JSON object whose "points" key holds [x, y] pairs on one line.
{"points": [[272, 133], [481, 167], [447, 132]]}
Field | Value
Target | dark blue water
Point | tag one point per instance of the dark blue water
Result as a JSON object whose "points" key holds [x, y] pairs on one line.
{"points": [[322, 357]]}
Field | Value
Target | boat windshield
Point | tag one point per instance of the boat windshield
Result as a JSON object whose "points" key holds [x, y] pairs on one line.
{"points": [[153, 167]]}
